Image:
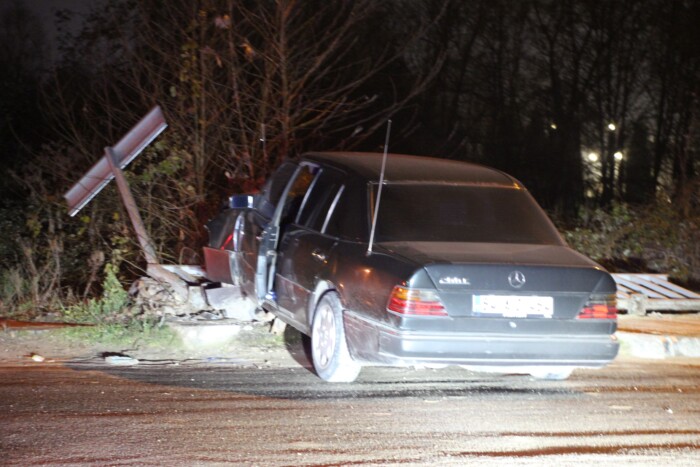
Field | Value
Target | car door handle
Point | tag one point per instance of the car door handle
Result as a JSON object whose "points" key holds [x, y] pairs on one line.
{"points": [[319, 256]]}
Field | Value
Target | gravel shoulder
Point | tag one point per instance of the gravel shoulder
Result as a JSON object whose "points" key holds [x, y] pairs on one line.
{"points": [[252, 344]]}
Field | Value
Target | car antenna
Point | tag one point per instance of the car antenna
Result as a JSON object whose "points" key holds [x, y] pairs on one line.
{"points": [[379, 189], [263, 140]]}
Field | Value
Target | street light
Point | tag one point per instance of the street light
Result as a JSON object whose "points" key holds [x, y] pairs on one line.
{"points": [[592, 157], [611, 126], [618, 156]]}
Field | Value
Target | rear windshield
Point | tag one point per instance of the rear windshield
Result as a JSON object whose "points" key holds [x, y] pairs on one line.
{"points": [[460, 213]]}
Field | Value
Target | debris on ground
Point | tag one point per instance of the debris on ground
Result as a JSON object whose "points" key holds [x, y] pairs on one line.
{"points": [[151, 298], [120, 359], [278, 326], [36, 357]]}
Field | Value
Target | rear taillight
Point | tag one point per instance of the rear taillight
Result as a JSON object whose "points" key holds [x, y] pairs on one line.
{"points": [[421, 302], [599, 307]]}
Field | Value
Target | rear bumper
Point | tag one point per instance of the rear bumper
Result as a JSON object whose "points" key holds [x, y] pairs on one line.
{"points": [[380, 344]]}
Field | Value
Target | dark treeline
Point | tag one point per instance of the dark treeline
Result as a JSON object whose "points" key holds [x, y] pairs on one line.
{"points": [[551, 90], [589, 103]]}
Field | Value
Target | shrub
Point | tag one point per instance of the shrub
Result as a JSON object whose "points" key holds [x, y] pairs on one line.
{"points": [[625, 238], [101, 310]]}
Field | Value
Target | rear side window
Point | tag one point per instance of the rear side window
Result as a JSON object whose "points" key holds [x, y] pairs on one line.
{"points": [[273, 189], [348, 216], [297, 193], [319, 200]]}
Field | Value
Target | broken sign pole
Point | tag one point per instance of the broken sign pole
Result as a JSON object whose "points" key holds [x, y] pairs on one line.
{"points": [[110, 166], [131, 209]]}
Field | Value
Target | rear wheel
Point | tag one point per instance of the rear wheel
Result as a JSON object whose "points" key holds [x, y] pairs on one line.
{"points": [[329, 349]]}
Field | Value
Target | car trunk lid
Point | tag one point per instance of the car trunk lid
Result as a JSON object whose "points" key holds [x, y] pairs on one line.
{"points": [[508, 280]]}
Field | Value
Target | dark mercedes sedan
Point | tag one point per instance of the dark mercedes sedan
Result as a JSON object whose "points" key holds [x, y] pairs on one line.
{"points": [[442, 263]]}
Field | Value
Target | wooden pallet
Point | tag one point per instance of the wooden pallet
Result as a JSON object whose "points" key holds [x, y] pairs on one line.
{"points": [[639, 293]]}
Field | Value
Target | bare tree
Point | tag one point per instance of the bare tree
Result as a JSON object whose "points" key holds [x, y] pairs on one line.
{"points": [[617, 91], [674, 69], [569, 62], [244, 84], [441, 121]]}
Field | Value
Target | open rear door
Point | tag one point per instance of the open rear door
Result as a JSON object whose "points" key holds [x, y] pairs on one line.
{"points": [[285, 213]]}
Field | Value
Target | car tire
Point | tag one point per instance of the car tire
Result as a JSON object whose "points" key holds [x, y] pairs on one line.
{"points": [[329, 349], [552, 374]]}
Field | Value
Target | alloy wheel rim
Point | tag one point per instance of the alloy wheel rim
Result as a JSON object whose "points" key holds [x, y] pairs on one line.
{"points": [[324, 331]]}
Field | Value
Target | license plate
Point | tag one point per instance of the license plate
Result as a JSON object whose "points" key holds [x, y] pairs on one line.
{"points": [[513, 306]]}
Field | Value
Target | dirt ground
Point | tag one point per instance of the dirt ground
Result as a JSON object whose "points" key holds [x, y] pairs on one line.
{"points": [[249, 343], [253, 344]]}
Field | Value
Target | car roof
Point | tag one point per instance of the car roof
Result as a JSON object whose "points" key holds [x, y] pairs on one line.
{"points": [[405, 168]]}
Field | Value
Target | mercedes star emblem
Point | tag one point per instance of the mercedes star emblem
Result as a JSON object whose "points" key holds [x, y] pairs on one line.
{"points": [[516, 279]]}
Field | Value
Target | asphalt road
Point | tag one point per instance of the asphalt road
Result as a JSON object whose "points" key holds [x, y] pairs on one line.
{"points": [[633, 412]]}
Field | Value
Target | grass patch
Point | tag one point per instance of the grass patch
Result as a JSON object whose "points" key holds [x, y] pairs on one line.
{"points": [[112, 324], [135, 334]]}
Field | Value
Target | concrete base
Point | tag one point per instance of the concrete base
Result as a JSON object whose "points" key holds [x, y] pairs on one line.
{"points": [[205, 334], [657, 346], [232, 303], [215, 333]]}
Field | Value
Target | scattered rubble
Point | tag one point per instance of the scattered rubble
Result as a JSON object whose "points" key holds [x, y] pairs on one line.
{"points": [[151, 298], [36, 357], [120, 359]]}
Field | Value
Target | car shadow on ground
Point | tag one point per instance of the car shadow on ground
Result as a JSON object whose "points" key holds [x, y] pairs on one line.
{"points": [[373, 383], [299, 347], [300, 382]]}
